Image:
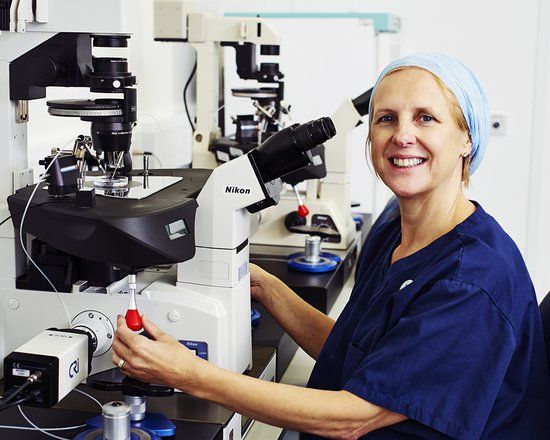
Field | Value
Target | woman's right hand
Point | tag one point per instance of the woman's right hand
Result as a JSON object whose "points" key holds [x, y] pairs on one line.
{"points": [[259, 279]]}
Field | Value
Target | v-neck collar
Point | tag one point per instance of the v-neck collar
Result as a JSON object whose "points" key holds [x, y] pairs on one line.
{"points": [[407, 262]]}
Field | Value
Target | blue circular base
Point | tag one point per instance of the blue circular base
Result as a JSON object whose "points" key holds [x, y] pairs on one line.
{"points": [[328, 263], [255, 317], [97, 434], [155, 424]]}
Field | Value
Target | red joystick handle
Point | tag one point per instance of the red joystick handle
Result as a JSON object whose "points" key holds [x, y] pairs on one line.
{"points": [[133, 320], [303, 211]]}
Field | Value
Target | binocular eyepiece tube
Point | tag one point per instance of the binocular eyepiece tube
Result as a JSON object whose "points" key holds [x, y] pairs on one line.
{"points": [[288, 150]]}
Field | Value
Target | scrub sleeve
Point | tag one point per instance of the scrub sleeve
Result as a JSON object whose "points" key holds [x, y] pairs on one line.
{"points": [[439, 364]]}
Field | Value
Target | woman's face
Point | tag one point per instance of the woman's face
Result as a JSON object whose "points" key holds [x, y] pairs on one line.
{"points": [[417, 145]]}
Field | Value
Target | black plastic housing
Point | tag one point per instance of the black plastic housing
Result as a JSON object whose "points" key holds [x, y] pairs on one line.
{"points": [[125, 233]]}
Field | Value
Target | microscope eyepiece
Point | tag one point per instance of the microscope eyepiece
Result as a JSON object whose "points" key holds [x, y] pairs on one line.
{"points": [[288, 150], [314, 133]]}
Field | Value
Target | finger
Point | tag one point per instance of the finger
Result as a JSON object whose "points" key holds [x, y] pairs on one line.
{"points": [[115, 358], [151, 328], [124, 333], [122, 350], [117, 361]]}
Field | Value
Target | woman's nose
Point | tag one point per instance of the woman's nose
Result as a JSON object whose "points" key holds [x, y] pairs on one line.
{"points": [[404, 136]]}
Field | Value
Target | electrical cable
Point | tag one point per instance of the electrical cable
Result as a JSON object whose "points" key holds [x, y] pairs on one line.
{"points": [[26, 428], [23, 243], [14, 391], [91, 397], [43, 430], [31, 395], [191, 75], [38, 428]]}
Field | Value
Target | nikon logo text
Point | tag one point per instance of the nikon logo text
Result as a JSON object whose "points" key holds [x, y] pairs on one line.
{"points": [[230, 189]]}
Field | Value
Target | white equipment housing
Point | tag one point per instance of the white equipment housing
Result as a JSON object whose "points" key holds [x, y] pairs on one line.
{"points": [[71, 352]]}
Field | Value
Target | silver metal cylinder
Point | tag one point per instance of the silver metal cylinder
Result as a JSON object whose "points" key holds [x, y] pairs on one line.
{"points": [[313, 249], [137, 407], [116, 421], [145, 164], [132, 281]]}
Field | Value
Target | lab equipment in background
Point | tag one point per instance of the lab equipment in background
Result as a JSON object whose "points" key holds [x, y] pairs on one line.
{"points": [[177, 20], [327, 201], [271, 112]]}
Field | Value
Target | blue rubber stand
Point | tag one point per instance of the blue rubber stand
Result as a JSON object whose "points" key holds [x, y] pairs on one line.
{"points": [[156, 423], [298, 262]]}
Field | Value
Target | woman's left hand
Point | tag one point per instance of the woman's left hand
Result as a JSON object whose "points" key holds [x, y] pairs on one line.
{"points": [[159, 360]]}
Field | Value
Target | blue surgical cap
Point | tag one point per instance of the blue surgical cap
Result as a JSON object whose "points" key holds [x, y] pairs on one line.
{"points": [[465, 86]]}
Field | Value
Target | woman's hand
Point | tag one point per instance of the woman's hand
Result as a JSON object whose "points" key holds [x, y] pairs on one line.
{"points": [[259, 279], [160, 360]]}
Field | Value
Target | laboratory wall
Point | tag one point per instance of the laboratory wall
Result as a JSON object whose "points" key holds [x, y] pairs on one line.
{"points": [[503, 44]]}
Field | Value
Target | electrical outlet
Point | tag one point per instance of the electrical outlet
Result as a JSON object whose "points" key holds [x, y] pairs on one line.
{"points": [[498, 125]]}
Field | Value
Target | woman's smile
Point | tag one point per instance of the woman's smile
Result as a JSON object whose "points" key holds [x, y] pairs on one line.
{"points": [[407, 163]]}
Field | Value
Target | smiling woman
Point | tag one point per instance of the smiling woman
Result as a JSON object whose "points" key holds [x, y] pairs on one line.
{"points": [[427, 116], [441, 337]]}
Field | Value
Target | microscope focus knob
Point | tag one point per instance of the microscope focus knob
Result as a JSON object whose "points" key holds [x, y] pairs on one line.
{"points": [[43, 72]]}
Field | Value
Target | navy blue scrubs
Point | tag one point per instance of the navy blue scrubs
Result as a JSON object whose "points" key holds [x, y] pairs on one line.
{"points": [[449, 336]]}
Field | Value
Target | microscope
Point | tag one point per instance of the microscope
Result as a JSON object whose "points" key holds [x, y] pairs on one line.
{"points": [[94, 234], [177, 20], [324, 210]]}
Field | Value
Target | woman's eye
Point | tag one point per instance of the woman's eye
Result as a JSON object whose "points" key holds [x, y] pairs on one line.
{"points": [[427, 118], [385, 118]]}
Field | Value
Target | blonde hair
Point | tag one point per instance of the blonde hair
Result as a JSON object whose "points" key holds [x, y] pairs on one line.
{"points": [[456, 112]]}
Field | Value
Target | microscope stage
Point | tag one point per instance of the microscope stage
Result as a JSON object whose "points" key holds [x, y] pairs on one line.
{"points": [[138, 188], [125, 232]]}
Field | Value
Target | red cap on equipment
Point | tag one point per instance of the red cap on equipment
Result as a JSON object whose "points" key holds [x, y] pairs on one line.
{"points": [[133, 320], [303, 211]]}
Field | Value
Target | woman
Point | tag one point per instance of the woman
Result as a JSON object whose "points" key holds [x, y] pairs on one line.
{"points": [[441, 337]]}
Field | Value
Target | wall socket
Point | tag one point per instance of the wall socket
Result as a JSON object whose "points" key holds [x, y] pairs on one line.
{"points": [[498, 125]]}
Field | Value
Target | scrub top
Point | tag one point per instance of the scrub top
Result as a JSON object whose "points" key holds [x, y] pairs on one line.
{"points": [[449, 336]]}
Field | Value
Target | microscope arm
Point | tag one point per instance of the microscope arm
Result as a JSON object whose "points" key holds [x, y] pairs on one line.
{"points": [[362, 102], [222, 216], [337, 152]]}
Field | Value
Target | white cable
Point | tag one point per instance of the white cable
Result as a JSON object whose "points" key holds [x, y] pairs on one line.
{"points": [[37, 427], [91, 397], [25, 248], [27, 428]]}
